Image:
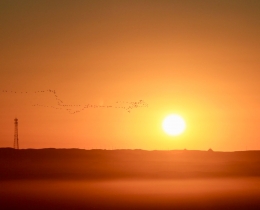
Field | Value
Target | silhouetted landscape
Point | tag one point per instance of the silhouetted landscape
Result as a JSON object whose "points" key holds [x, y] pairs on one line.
{"points": [[125, 164], [104, 179]]}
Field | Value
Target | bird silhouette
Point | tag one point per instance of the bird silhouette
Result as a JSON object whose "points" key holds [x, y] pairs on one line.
{"points": [[79, 108]]}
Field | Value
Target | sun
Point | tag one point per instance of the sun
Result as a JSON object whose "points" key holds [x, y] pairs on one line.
{"points": [[174, 125]]}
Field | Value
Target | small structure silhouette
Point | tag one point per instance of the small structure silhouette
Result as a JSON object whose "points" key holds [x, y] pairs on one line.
{"points": [[16, 143], [210, 150]]}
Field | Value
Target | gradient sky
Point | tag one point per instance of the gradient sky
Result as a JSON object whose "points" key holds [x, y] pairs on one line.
{"points": [[196, 58]]}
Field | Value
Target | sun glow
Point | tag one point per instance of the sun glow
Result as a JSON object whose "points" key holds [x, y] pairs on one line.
{"points": [[174, 125]]}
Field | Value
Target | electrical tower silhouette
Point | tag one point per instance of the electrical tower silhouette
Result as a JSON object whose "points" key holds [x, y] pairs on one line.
{"points": [[16, 143]]}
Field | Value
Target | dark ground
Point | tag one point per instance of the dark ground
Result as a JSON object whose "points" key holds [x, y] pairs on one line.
{"points": [[128, 179]]}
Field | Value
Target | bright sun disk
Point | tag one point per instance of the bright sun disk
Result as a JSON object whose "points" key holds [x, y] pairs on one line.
{"points": [[174, 125]]}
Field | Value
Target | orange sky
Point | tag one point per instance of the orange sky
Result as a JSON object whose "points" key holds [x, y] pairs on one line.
{"points": [[199, 59]]}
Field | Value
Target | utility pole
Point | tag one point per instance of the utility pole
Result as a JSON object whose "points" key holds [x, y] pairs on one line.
{"points": [[16, 143]]}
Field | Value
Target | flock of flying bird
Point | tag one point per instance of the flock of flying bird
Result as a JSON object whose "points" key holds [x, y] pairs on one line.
{"points": [[74, 109]]}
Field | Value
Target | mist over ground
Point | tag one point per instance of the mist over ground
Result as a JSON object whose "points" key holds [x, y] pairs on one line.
{"points": [[129, 179]]}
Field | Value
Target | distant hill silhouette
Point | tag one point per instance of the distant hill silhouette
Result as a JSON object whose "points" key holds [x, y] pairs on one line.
{"points": [[131, 164]]}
